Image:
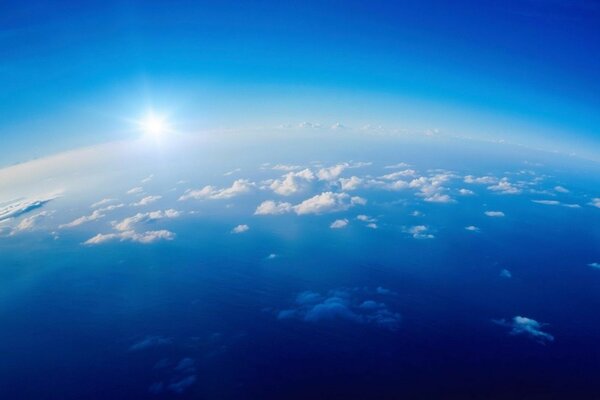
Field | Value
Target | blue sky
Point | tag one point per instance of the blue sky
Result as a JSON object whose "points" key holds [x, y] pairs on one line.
{"points": [[526, 70]]}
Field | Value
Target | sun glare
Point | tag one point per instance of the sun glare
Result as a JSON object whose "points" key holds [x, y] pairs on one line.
{"points": [[154, 125]]}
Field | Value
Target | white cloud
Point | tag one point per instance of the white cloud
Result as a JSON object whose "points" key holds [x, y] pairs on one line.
{"points": [[466, 192], [270, 207], [371, 225], [528, 327], [102, 202], [331, 173], [238, 187], [95, 215], [439, 198], [148, 178], [399, 174], [419, 232], [472, 228], [365, 218], [29, 223], [147, 200], [292, 182], [233, 171], [494, 213], [547, 202], [486, 180], [594, 265], [561, 189], [129, 223], [147, 237], [352, 183], [327, 202], [240, 228], [135, 190], [505, 187], [339, 223], [595, 202], [286, 167], [395, 166], [23, 206]]}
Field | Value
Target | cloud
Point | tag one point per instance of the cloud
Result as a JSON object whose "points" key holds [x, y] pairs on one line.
{"points": [[95, 215], [439, 198], [128, 223], [23, 206], [286, 167], [150, 341], [327, 202], [399, 174], [528, 327], [466, 192], [342, 305], [395, 166], [371, 225], [292, 182], [183, 376], [486, 180], [561, 189], [472, 228], [102, 202], [29, 223], [135, 190], [233, 171], [238, 187], [495, 214], [147, 237], [339, 223], [331, 173], [505, 187], [595, 202], [148, 178], [594, 265], [365, 218], [240, 228], [269, 207], [147, 200], [352, 183], [419, 232], [505, 274], [183, 384], [547, 202]]}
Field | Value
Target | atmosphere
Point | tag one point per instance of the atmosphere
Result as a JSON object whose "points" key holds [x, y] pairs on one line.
{"points": [[273, 200]]}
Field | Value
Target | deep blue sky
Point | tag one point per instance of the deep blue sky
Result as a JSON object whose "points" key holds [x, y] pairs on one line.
{"points": [[529, 68]]}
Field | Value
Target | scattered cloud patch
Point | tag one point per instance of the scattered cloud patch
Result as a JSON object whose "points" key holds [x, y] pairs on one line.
{"points": [[31, 222], [528, 327], [494, 214], [419, 232], [22, 206], [339, 224], [147, 237], [472, 228], [147, 200], [149, 342], [327, 202], [466, 192], [102, 202], [352, 183], [505, 187], [238, 187], [292, 182], [505, 274], [240, 229], [561, 189], [270, 207], [129, 223], [342, 305], [135, 190], [594, 265], [595, 202]]}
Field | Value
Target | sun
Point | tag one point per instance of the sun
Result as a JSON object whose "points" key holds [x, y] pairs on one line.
{"points": [[154, 125]]}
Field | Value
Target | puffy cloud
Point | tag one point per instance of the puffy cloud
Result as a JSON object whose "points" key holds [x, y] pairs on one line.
{"points": [[505, 187], [342, 305], [339, 223], [528, 327], [135, 190], [269, 207], [327, 202], [95, 215], [292, 182], [147, 200], [331, 173], [238, 187], [495, 214], [372, 225], [431, 188], [594, 265], [595, 202], [286, 167], [419, 232], [547, 202], [472, 228], [439, 198], [365, 218], [485, 180], [466, 192], [147, 237], [240, 228], [352, 183], [128, 223]]}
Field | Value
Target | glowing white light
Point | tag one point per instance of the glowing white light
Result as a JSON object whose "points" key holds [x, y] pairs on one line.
{"points": [[154, 125]]}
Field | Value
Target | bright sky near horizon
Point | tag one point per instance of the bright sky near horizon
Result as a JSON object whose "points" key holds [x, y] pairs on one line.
{"points": [[73, 74]]}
